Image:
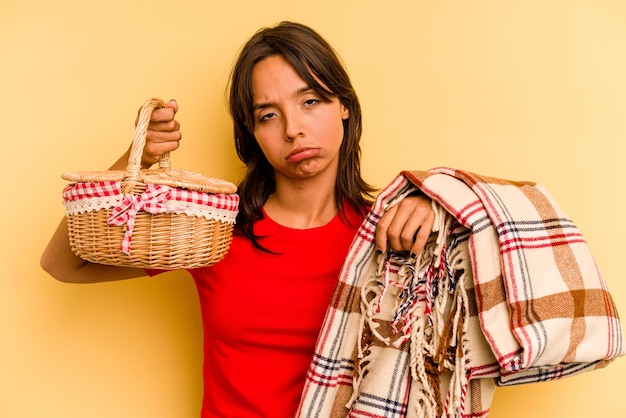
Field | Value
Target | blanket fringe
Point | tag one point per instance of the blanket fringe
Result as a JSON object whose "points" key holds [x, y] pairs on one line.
{"points": [[425, 303]]}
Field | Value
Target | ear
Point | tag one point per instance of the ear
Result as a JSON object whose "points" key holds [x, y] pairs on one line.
{"points": [[345, 112]]}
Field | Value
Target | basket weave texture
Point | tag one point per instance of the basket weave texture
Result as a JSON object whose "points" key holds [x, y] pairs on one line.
{"points": [[163, 218]]}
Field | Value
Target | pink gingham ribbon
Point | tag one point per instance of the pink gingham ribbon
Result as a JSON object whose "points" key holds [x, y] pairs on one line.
{"points": [[125, 213]]}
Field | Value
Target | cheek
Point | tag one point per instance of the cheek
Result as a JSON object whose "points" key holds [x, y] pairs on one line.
{"points": [[334, 128], [267, 133], [268, 147], [261, 137]]}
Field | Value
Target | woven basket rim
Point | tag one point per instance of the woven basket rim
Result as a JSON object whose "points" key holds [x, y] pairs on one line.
{"points": [[165, 177]]}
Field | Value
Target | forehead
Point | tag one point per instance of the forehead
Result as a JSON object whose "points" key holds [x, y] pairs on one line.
{"points": [[273, 75]]}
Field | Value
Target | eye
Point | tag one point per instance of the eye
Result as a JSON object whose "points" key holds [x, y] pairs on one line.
{"points": [[267, 116], [311, 102]]}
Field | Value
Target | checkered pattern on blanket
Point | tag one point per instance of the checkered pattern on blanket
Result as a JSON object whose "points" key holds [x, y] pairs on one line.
{"points": [[505, 292]]}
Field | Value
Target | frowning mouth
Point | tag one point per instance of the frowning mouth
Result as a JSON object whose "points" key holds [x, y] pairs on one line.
{"points": [[302, 153]]}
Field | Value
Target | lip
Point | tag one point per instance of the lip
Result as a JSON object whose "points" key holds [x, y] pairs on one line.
{"points": [[302, 153]]}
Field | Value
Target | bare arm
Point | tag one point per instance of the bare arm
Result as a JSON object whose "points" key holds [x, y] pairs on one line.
{"points": [[59, 260]]}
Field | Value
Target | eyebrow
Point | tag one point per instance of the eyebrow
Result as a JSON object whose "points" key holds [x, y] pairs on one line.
{"points": [[265, 105]]}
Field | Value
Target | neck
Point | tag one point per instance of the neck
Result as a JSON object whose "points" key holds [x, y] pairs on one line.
{"points": [[302, 204]]}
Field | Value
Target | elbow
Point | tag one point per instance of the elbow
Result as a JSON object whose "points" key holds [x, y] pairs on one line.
{"points": [[46, 265], [49, 267], [56, 270]]}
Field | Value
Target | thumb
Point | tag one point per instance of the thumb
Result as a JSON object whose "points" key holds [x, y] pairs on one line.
{"points": [[172, 104]]}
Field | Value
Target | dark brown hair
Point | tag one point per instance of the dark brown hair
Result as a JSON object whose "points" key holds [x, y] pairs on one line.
{"points": [[315, 61]]}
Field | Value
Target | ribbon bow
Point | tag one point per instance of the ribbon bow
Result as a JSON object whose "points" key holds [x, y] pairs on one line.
{"points": [[151, 201]]}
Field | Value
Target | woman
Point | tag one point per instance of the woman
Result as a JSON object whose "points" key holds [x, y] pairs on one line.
{"points": [[297, 126]]}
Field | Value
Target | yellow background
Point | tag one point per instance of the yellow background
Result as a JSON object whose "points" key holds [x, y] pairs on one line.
{"points": [[532, 90]]}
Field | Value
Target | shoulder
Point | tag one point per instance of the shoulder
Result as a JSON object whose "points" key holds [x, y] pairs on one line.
{"points": [[353, 214]]}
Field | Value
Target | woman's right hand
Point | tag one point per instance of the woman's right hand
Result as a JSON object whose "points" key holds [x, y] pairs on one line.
{"points": [[163, 134], [60, 262]]}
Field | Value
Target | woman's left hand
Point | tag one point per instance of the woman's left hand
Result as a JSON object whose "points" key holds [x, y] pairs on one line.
{"points": [[406, 226]]}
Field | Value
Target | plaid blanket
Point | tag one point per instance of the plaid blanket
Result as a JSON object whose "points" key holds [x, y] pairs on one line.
{"points": [[506, 292]]}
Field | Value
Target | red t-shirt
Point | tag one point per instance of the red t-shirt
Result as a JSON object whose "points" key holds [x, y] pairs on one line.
{"points": [[262, 314]]}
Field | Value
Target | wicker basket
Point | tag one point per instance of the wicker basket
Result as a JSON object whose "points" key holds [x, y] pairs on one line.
{"points": [[163, 218]]}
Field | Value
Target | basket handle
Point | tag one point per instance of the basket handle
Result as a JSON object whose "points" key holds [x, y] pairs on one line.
{"points": [[139, 142]]}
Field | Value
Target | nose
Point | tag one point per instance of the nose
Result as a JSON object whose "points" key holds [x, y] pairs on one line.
{"points": [[293, 125]]}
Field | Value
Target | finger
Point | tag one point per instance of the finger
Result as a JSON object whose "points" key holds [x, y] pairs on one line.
{"points": [[165, 126], [163, 136], [399, 238], [412, 226], [382, 226], [163, 114], [422, 235], [405, 223], [154, 150], [166, 113], [173, 105]]}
